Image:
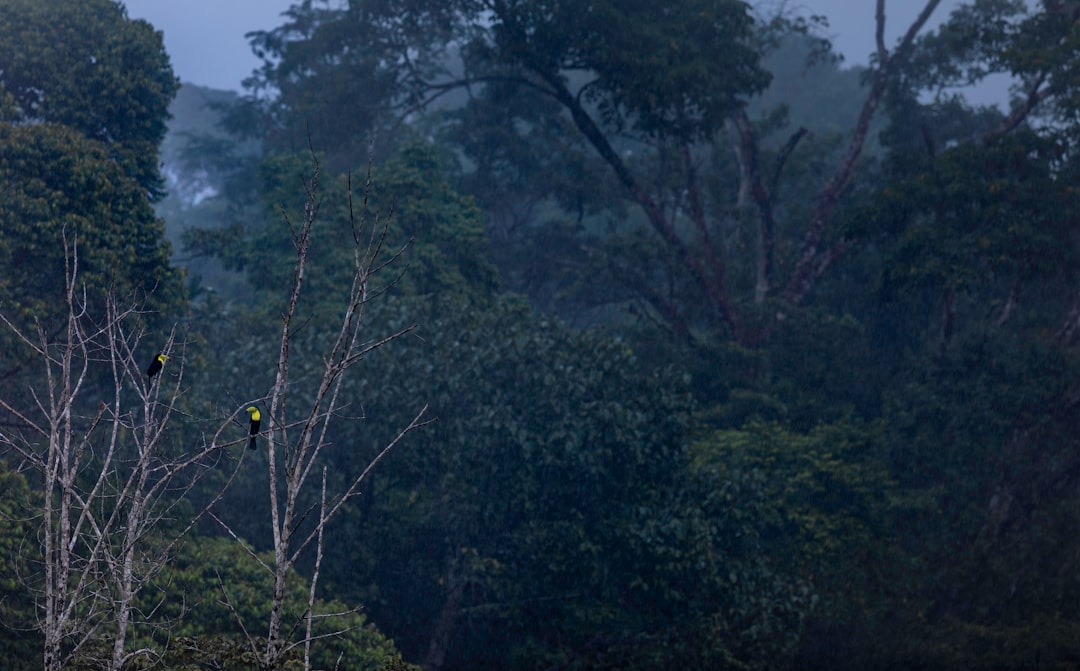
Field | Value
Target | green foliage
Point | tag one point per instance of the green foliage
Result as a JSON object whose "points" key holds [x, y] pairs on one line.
{"points": [[85, 94], [885, 480], [1034, 43], [54, 183], [831, 497], [674, 71], [314, 66], [210, 179], [86, 66], [552, 489], [664, 71], [437, 232], [1041, 640], [979, 217], [20, 645], [951, 425], [567, 232], [574, 117], [213, 584], [447, 253]]}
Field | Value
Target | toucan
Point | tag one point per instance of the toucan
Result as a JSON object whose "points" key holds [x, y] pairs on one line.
{"points": [[255, 422], [155, 367]]}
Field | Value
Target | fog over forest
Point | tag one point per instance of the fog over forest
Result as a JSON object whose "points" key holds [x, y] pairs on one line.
{"points": [[542, 335]]}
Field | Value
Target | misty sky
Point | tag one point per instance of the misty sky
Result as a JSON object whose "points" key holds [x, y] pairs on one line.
{"points": [[205, 38]]}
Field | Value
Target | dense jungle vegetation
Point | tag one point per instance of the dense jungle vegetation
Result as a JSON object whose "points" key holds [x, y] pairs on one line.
{"points": [[670, 342]]}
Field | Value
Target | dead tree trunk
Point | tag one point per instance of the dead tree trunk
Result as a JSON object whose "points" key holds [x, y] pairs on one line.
{"points": [[104, 474], [297, 438]]}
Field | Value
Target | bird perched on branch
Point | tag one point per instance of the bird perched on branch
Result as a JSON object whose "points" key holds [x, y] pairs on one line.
{"points": [[256, 416], [155, 366]]}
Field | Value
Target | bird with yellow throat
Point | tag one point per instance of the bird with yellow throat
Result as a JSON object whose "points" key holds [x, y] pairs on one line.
{"points": [[256, 421], [155, 367]]}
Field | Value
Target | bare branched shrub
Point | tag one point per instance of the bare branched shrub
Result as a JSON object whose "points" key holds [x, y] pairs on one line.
{"points": [[94, 429], [296, 437]]}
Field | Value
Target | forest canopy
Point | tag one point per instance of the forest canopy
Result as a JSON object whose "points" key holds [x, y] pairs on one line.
{"points": [[609, 335]]}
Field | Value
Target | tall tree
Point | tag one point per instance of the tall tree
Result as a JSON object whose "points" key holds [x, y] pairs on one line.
{"points": [[89, 67], [548, 517], [56, 184], [982, 270], [638, 87], [86, 94], [439, 230]]}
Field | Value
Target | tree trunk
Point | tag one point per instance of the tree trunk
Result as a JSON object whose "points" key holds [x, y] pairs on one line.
{"points": [[445, 625]]}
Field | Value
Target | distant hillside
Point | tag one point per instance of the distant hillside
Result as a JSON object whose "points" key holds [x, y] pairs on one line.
{"points": [[196, 113], [193, 155], [192, 113]]}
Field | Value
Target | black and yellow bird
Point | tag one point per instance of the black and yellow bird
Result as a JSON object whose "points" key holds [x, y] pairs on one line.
{"points": [[255, 423], [155, 367]]}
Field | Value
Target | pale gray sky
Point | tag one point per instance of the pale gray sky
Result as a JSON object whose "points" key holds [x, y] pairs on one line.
{"points": [[205, 38]]}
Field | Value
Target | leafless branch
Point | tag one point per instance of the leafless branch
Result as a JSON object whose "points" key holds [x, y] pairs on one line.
{"points": [[106, 477], [295, 446]]}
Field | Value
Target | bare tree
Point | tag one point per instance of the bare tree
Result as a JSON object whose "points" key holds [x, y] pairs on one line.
{"points": [[96, 433], [95, 430], [296, 438]]}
